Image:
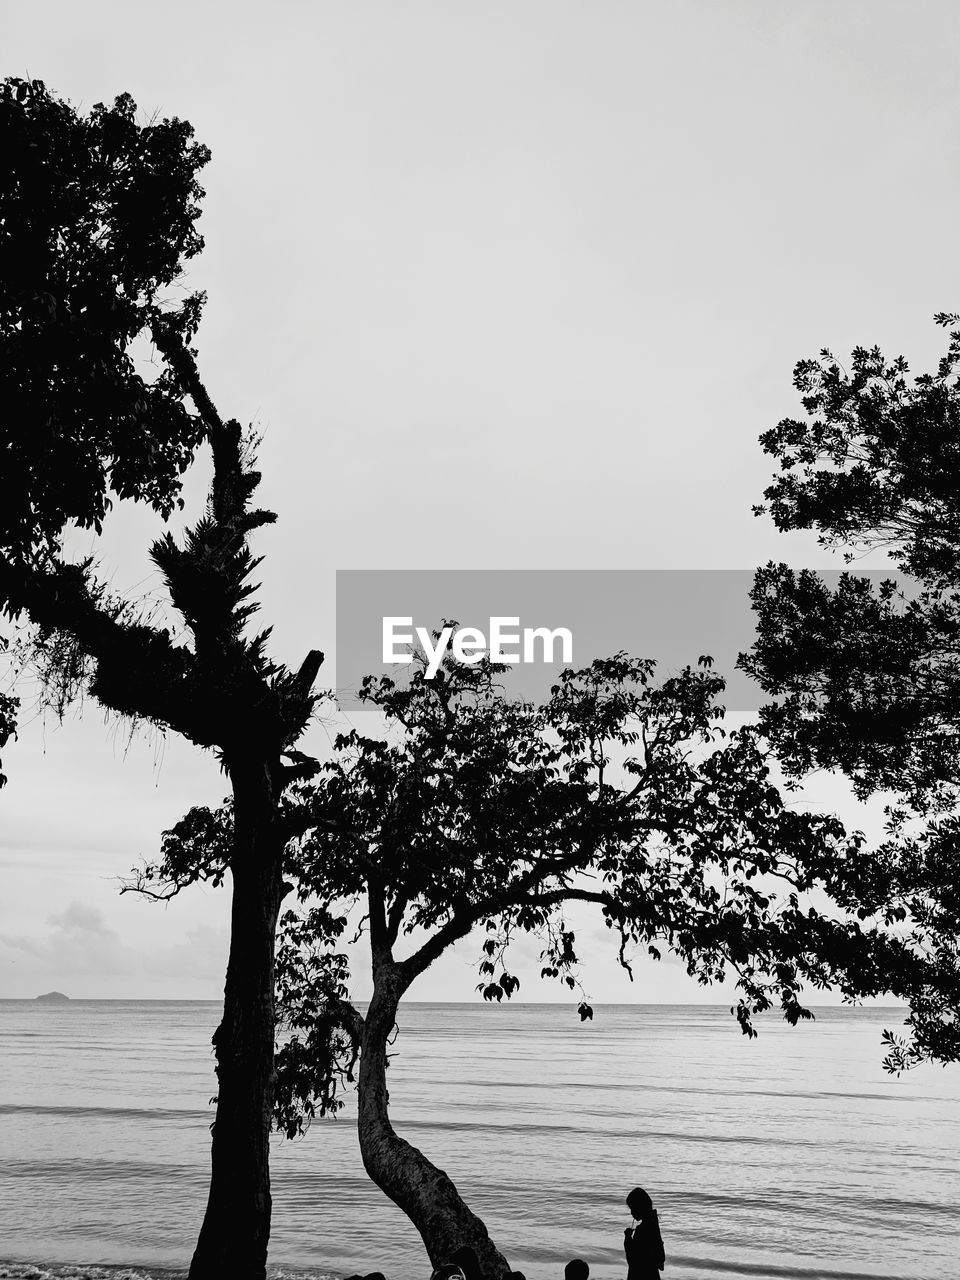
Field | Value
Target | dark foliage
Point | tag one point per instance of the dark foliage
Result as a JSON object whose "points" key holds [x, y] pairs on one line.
{"points": [[97, 218], [868, 678], [472, 810], [619, 792]]}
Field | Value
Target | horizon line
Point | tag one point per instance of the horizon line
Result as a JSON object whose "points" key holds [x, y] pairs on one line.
{"points": [[480, 1004]]}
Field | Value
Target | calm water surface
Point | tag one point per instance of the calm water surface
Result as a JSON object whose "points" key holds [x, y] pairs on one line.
{"points": [[787, 1156]]}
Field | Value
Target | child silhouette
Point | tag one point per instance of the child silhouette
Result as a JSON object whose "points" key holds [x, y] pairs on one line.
{"points": [[642, 1243]]}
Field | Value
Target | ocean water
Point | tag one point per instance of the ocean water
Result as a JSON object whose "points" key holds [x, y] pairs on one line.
{"points": [[792, 1155]]}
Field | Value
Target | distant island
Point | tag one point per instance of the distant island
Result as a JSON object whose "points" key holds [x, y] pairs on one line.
{"points": [[53, 997]]}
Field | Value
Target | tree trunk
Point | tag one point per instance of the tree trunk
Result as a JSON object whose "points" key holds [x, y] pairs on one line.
{"points": [[424, 1192], [236, 1226]]}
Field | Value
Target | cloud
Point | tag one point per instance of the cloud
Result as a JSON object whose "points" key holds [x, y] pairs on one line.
{"points": [[79, 942], [79, 918]]}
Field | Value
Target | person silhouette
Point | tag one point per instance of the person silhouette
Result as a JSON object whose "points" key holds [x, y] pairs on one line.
{"points": [[642, 1243], [576, 1269]]}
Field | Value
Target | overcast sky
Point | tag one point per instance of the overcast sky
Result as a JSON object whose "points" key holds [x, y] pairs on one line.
{"points": [[504, 284]]}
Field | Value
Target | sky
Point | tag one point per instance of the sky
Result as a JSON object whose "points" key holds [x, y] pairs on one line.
{"points": [[503, 285]]}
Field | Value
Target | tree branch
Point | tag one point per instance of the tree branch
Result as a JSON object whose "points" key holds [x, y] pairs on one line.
{"points": [[170, 344], [139, 671]]}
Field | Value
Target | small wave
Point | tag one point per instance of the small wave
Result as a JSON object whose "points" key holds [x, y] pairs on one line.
{"points": [[69, 1271], [521, 1126], [890, 1207], [771, 1271], [113, 1113], [88, 1169], [617, 1086]]}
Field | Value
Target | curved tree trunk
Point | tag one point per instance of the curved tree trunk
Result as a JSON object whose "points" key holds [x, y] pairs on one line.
{"points": [[424, 1193], [236, 1226]]}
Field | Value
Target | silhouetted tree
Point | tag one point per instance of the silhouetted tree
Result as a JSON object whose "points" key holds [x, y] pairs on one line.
{"points": [[868, 678], [97, 218], [474, 810]]}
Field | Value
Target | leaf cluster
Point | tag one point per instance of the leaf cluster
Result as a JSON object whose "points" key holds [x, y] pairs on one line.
{"points": [[97, 218], [876, 460], [866, 678], [618, 791], [473, 810]]}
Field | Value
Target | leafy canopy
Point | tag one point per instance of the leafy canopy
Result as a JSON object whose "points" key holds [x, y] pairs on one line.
{"points": [[867, 678], [474, 810], [97, 218]]}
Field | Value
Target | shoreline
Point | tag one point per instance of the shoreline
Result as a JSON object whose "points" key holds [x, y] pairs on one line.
{"points": [[19, 1270]]}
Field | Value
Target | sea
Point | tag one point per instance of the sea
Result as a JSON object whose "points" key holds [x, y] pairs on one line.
{"points": [[791, 1155]]}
